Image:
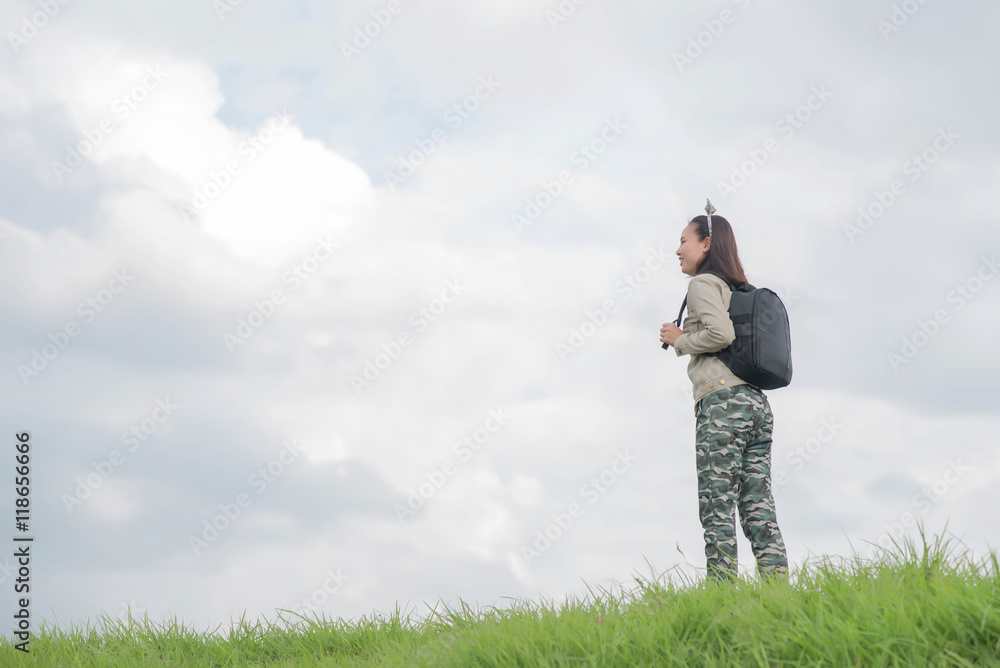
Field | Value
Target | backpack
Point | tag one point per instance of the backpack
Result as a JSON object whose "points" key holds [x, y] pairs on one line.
{"points": [[761, 353]]}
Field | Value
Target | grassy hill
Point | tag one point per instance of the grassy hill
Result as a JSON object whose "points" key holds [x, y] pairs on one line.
{"points": [[916, 606]]}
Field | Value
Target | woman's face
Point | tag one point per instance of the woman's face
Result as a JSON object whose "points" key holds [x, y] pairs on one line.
{"points": [[691, 250]]}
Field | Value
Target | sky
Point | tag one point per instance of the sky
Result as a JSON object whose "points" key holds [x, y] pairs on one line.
{"points": [[330, 309]]}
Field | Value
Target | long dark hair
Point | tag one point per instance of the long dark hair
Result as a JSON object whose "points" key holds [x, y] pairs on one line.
{"points": [[722, 258]]}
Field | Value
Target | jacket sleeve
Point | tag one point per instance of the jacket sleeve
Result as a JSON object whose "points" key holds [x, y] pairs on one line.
{"points": [[705, 298]]}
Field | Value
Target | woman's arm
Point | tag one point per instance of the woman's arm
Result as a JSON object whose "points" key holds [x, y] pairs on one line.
{"points": [[705, 298]]}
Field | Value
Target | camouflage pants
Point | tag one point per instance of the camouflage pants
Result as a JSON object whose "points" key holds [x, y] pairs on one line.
{"points": [[733, 453]]}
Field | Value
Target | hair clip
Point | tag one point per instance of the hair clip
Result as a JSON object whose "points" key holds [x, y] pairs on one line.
{"points": [[709, 209]]}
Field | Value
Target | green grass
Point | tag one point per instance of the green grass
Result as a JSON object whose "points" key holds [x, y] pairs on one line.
{"points": [[915, 606]]}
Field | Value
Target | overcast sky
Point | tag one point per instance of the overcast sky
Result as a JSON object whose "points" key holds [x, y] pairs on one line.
{"points": [[354, 305]]}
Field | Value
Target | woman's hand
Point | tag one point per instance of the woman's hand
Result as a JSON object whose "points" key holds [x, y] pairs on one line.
{"points": [[669, 333]]}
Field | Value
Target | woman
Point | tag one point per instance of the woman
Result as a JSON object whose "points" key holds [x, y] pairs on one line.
{"points": [[733, 418]]}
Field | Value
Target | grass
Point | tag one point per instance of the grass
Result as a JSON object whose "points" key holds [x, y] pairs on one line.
{"points": [[917, 605]]}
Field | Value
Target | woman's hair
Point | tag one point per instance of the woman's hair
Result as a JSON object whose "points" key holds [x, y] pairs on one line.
{"points": [[722, 258]]}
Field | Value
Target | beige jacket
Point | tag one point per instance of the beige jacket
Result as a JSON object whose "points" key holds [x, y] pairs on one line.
{"points": [[707, 328]]}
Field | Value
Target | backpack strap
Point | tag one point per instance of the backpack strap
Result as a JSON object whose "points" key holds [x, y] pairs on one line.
{"points": [[684, 303], [680, 313]]}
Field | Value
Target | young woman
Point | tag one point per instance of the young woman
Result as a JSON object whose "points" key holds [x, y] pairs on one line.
{"points": [[733, 418]]}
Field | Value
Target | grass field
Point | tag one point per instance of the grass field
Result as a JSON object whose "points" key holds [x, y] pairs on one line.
{"points": [[919, 605]]}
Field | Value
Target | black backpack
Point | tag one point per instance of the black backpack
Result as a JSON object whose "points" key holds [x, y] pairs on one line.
{"points": [[761, 353]]}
